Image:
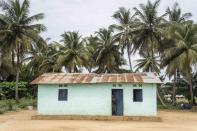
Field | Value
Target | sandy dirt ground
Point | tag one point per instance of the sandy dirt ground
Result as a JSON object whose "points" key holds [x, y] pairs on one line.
{"points": [[172, 121]]}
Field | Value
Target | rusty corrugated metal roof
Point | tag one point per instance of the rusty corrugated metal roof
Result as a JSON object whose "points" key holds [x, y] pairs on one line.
{"points": [[85, 78]]}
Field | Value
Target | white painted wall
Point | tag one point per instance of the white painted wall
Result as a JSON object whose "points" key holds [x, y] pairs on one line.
{"points": [[95, 99], [146, 108]]}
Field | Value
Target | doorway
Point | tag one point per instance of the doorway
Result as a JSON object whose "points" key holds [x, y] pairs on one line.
{"points": [[117, 102]]}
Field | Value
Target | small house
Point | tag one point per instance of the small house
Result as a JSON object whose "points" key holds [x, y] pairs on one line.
{"points": [[129, 94]]}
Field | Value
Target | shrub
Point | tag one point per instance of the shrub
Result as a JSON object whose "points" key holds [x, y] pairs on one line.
{"points": [[2, 110], [170, 107], [7, 89], [12, 105], [23, 103]]}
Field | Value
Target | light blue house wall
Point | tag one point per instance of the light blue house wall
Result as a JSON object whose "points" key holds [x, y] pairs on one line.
{"points": [[95, 99]]}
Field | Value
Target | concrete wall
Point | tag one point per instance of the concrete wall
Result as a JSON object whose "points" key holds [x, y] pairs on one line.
{"points": [[95, 99]]}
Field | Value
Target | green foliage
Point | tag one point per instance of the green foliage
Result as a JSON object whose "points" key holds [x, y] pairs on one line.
{"points": [[148, 28], [6, 68], [7, 89], [12, 84], [175, 14], [23, 103], [19, 32], [168, 106], [125, 24], [91, 46], [42, 60], [148, 63], [159, 40], [72, 54], [12, 105], [108, 55]]}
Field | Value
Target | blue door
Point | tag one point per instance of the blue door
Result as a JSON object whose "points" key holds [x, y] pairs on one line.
{"points": [[117, 102]]}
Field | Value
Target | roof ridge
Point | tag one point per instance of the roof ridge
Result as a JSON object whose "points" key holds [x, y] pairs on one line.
{"points": [[85, 78]]}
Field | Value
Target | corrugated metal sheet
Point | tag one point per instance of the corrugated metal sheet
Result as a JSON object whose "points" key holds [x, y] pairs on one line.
{"points": [[82, 78]]}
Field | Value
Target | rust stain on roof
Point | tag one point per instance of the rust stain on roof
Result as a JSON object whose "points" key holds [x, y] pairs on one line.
{"points": [[72, 78], [138, 78]]}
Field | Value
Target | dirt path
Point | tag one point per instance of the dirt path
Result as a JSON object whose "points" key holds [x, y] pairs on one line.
{"points": [[172, 121]]}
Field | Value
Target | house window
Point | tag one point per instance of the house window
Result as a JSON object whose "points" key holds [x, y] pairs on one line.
{"points": [[62, 94], [114, 85], [137, 95]]}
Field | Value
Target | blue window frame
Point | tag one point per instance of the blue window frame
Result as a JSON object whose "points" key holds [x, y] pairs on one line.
{"points": [[137, 95], [62, 94]]}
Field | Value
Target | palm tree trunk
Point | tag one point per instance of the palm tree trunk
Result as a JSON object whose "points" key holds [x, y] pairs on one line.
{"points": [[17, 74], [13, 64], [0, 57], [69, 70], [16, 88], [89, 69], [128, 53], [191, 91], [152, 53], [174, 88], [160, 99]]}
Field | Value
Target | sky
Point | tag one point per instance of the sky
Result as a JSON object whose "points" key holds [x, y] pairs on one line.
{"points": [[87, 16]]}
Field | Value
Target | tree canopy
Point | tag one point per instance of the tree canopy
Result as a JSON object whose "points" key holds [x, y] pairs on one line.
{"points": [[163, 42]]}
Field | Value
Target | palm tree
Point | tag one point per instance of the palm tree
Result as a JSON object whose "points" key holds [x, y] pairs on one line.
{"points": [[6, 68], [175, 18], [175, 14], [42, 60], [148, 28], [108, 55], [20, 31], [147, 62], [185, 50], [124, 26], [91, 47], [172, 70], [72, 54]]}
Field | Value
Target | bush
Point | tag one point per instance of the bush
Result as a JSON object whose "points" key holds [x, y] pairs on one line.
{"points": [[7, 90], [170, 107], [2, 110], [12, 105], [23, 103]]}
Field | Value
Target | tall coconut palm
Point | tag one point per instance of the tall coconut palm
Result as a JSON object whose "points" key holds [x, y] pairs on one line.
{"points": [[20, 32], [185, 50], [147, 62], [91, 47], [125, 24], [108, 55], [42, 60], [148, 28], [6, 68], [72, 53], [175, 18], [175, 14]]}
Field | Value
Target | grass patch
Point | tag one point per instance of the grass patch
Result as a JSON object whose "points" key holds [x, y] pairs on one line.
{"points": [[168, 107]]}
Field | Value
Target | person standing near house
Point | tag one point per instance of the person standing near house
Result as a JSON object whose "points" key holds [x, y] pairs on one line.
{"points": [[113, 105]]}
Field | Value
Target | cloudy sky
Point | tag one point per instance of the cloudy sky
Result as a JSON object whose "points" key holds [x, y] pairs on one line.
{"points": [[87, 16]]}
